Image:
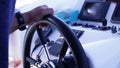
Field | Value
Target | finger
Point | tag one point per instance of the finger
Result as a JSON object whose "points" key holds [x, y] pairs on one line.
{"points": [[51, 11], [47, 11], [43, 7], [43, 25]]}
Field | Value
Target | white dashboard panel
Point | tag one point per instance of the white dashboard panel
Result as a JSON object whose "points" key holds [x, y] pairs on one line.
{"points": [[104, 53]]}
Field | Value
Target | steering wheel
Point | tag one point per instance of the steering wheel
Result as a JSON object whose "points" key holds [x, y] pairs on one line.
{"points": [[79, 58]]}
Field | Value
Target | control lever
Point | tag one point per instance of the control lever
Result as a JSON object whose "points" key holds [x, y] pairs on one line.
{"points": [[113, 29], [104, 22]]}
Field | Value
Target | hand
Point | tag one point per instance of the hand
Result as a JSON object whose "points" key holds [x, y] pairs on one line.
{"points": [[36, 14], [32, 16]]}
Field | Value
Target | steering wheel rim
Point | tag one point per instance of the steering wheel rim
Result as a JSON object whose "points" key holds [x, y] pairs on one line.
{"points": [[74, 44]]}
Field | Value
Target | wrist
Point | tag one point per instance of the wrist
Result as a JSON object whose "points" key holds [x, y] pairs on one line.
{"points": [[27, 18], [20, 20], [15, 23]]}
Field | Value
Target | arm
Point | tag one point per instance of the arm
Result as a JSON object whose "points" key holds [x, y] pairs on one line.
{"points": [[32, 16]]}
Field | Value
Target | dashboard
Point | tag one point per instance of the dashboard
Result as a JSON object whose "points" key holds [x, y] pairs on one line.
{"points": [[101, 43]]}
